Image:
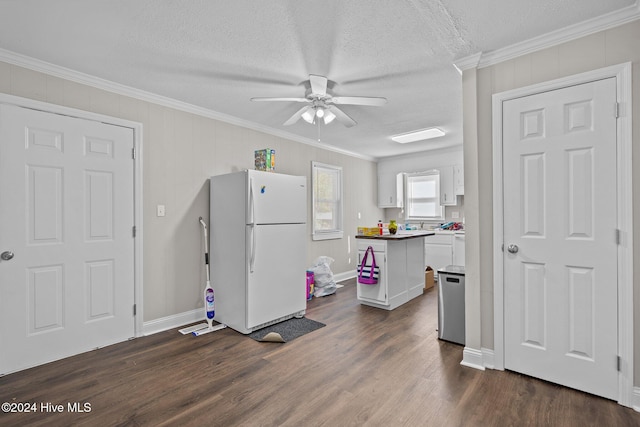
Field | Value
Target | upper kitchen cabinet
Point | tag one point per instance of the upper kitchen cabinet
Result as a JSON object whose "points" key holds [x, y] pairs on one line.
{"points": [[447, 195], [458, 180], [390, 190], [451, 184]]}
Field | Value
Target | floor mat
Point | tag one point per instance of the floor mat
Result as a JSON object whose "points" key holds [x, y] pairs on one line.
{"points": [[286, 331]]}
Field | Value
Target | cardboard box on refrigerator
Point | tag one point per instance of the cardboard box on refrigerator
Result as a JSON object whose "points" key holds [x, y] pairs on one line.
{"points": [[265, 160], [428, 278]]}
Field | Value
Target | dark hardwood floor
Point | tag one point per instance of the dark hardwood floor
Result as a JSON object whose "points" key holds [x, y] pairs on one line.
{"points": [[366, 367]]}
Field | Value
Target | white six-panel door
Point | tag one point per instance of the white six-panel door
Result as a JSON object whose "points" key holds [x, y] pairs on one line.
{"points": [[66, 204], [560, 249]]}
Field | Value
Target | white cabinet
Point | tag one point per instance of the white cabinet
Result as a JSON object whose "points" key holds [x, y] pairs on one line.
{"points": [[447, 196], [401, 275], [443, 249], [377, 293], [438, 251], [390, 190], [458, 180]]}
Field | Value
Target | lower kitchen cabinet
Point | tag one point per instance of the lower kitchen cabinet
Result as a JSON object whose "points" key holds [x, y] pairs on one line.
{"points": [[443, 249], [438, 251], [401, 275]]}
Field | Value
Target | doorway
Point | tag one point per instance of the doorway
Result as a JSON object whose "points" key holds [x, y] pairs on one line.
{"points": [[68, 189], [563, 253]]}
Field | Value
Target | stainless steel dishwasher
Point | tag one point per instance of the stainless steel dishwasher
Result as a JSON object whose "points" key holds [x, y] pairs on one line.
{"points": [[451, 304]]}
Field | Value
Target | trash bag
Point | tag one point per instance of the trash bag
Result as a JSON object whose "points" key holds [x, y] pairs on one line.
{"points": [[324, 283]]}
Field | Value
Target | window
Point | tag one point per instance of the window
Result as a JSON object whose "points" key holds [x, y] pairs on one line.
{"points": [[423, 196], [326, 182]]}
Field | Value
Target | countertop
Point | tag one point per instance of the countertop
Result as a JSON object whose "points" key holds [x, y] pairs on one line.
{"points": [[438, 231], [400, 235]]}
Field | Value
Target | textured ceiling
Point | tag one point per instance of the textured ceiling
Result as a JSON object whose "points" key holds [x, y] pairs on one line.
{"points": [[218, 54]]}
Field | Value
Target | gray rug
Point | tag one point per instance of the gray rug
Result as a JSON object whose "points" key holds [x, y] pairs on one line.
{"points": [[286, 331]]}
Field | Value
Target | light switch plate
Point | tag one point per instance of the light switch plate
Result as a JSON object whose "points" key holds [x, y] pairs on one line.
{"points": [[160, 210]]}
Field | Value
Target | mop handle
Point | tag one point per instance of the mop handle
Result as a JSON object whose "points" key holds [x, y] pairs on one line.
{"points": [[206, 247]]}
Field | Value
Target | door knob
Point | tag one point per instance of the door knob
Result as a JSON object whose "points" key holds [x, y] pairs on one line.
{"points": [[6, 255], [512, 249]]}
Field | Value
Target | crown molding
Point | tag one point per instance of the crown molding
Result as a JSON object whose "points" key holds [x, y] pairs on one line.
{"points": [[468, 62], [563, 35], [120, 89]]}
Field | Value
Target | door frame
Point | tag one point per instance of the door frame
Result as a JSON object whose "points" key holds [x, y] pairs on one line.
{"points": [[622, 73], [137, 183]]}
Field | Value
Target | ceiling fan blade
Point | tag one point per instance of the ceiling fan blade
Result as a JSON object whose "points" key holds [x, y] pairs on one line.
{"points": [[342, 116], [359, 100], [281, 99], [296, 116], [318, 84]]}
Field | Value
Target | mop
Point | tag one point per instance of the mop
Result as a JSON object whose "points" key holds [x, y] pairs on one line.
{"points": [[209, 304]]}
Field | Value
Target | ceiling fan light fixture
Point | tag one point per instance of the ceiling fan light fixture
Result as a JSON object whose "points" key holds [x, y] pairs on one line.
{"points": [[320, 112], [418, 135], [309, 115], [328, 117]]}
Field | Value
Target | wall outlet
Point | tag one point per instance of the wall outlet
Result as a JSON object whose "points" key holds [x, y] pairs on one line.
{"points": [[455, 215], [160, 210]]}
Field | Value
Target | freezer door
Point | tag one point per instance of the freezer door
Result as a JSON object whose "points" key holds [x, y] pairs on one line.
{"points": [[276, 198], [276, 284]]}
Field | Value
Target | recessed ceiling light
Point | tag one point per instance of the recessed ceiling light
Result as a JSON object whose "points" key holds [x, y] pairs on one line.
{"points": [[418, 135]]}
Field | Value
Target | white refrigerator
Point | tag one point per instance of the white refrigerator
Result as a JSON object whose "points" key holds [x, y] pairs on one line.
{"points": [[258, 248]]}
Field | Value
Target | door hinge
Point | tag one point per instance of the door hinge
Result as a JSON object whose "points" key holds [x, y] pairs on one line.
{"points": [[619, 363], [135, 309], [133, 153], [133, 231], [617, 236], [616, 110]]}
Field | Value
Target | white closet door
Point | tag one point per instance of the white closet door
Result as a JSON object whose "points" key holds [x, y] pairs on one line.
{"points": [[66, 191]]}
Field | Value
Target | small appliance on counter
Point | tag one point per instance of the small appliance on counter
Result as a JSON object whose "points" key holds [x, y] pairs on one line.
{"points": [[451, 304]]}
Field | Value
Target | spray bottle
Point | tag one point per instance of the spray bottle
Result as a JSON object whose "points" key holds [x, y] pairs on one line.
{"points": [[209, 300], [209, 304]]}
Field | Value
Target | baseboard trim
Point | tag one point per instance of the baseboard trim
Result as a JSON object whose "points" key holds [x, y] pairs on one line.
{"points": [[488, 358], [472, 358], [341, 277], [181, 319], [174, 321], [636, 399]]}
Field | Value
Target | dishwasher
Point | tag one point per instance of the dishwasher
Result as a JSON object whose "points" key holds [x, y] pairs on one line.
{"points": [[451, 304]]}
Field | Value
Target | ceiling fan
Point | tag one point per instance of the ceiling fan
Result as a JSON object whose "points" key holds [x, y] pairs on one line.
{"points": [[323, 105]]}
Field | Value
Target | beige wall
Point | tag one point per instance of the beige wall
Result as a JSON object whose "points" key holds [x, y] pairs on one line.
{"points": [[610, 47], [180, 151]]}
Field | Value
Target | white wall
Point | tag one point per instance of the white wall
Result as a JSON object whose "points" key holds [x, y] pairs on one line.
{"points": [[419, 162], [181, 151]]}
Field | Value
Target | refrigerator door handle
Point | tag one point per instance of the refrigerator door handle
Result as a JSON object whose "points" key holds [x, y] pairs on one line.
{"points": [[252, 259], [251, 219], [252, 224]]}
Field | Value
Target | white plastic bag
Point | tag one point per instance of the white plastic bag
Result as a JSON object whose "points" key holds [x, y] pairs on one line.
{"points": [[324, 284]]}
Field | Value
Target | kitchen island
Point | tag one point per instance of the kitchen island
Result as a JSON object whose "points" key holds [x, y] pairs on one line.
{"points": [[400, 258]]}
